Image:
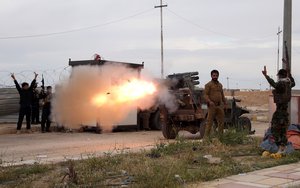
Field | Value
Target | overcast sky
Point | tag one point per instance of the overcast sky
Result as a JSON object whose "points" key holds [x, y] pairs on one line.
{"points": [[237, 37]]}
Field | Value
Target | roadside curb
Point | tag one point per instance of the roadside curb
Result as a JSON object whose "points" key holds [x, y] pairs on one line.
{"points": [[279, 176]]}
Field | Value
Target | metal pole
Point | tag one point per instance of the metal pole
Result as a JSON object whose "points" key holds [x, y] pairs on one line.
{"points": [[287, 31], [161, 39], [287, 37], [227, 83], [259, 86], [278, 35]]}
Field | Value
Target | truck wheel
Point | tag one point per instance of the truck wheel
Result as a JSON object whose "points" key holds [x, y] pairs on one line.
{"points": [[244, 124], [155, 121], [169, 131], [202, 128]]}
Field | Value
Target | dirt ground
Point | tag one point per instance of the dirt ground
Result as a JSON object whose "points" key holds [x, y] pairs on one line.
{"points": [[39, 147], [53, 147], [252, 98], [257, 102]]}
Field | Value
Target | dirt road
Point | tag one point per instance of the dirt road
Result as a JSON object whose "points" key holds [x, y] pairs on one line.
{"points": [[48, 147], [53, 147]]}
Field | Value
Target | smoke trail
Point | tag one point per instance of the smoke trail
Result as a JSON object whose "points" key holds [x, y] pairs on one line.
{"points": [[74, 101]]}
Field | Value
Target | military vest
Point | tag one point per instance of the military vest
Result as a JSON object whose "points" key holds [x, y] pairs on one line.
{"points": [[282, 92]]}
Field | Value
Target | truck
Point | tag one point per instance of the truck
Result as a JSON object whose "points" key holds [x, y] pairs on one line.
{"points": [[192, 109], [137, 119], [190, 115]]}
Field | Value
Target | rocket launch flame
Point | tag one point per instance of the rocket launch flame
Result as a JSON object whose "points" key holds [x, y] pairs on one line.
{"points": [[107, 94], [128, 91]]}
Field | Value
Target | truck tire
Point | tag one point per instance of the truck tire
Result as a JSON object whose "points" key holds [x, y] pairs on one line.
{"points": [[155, 123], [244, 124], [168, 130], [202, 128]]}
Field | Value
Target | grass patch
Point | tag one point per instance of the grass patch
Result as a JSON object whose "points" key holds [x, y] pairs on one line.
{"points": [[9, 175], [232, 137], [169, 164]]}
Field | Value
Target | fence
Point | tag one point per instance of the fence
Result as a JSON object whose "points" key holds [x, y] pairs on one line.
{"points": [[9, 96], [51, 76]]}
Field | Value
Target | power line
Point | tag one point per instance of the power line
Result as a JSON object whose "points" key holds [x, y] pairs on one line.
{"points": [[199, 26], [216, 32], [75, 30]]}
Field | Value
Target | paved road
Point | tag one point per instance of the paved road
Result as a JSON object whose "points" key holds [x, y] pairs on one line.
{"points": [[52, 147]]}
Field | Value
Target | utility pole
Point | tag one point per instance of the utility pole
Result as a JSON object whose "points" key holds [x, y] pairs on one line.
{"points": [[287, 31], [227, 83], [287, 37], [259, 86], [278, 35], [161, 38]]}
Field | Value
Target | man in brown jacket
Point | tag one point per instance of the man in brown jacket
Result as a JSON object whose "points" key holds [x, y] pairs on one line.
{"points": [[215, 99]]}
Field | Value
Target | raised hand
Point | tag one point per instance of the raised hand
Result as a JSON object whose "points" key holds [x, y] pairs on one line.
{"points": [[13, 76], [35, 75], [264, 71]]}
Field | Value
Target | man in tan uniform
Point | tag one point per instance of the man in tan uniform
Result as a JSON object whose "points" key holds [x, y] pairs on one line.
{"points": [[215, 99]]}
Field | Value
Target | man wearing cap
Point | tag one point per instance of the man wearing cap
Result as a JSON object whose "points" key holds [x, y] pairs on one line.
{"points": [[282, 96], [216, 102]]}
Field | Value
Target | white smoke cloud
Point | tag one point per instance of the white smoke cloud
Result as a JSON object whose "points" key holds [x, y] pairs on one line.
{"points": [[73, 106]]}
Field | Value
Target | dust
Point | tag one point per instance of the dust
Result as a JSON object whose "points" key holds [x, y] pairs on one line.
{"points": [[107, 95]]}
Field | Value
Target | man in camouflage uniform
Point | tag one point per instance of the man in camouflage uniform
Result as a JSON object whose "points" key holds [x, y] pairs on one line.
{"points": [[216, 102], [282, 96]]}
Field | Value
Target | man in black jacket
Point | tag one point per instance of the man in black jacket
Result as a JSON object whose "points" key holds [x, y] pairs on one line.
{"points": [[25, 101], [35, 111], [46, 118]]}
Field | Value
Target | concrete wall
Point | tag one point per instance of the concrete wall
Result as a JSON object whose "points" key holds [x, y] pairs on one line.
{"points": [[9, 101], [9, 105], [295, 107]]}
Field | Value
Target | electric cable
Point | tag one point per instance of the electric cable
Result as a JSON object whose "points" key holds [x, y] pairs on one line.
{"points": [[75, 30]]}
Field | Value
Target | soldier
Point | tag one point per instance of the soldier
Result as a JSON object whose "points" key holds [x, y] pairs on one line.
{"points": [[35, 115], [46, 112], [216, 102], [282, 96], [25, 102]]}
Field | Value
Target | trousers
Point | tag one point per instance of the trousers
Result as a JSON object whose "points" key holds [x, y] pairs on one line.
{"points": [[280, 123], [46, 118], [24, 111], [215, 112]]}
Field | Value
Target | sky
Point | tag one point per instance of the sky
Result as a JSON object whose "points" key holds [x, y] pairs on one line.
{"points": [[236, 37]]}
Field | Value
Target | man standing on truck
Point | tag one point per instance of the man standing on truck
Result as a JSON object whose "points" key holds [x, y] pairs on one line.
{"points": [[216, 102], [282, 96], [25, 102]]}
